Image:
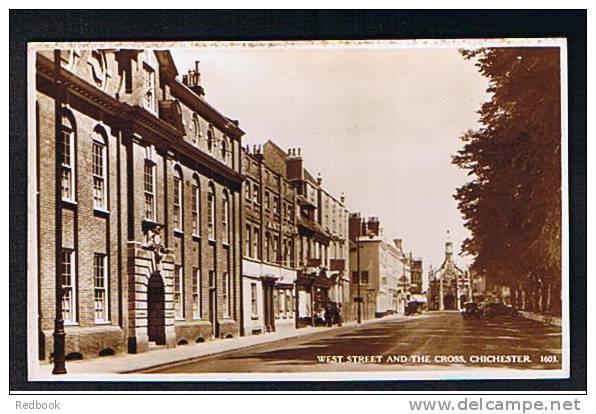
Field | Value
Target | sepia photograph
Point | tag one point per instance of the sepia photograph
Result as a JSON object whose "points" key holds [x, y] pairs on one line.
{"points": [[298, 210]]}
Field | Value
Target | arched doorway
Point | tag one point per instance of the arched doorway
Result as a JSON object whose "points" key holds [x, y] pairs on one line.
{"points": [[449, 302], [156, 323]]}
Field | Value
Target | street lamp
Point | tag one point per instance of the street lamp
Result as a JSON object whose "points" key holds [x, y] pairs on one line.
{"points": [[59, 334], [359, 284]]}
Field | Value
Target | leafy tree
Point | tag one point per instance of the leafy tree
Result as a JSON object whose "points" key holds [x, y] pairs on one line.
{"points": [[512, 203]]}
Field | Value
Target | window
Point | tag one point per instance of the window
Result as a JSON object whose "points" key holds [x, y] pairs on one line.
{"points": [[100, 284], [288, 302], [149, 186], [255, 194], [256, 242], [68, 286], [98, 65], [253, 300], [178, 222], [247, 193], [149, 87], [178, 292], [248, 250], [210, 138], [276, 300], [225, 227], [99, 161], [276, 205], [70, 58], [274, 255], [196, 129], [364, 277], [267, 246], [226, 295], [67, 160], [196, 298], [224, 148], [267, 200], [211, 212], [196, 206]]}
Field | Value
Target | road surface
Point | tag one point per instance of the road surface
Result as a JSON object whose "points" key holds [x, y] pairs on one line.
{"points": [[435, 340]]}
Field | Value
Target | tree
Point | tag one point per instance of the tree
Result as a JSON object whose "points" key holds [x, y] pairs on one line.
{"points": [[512, 203]]}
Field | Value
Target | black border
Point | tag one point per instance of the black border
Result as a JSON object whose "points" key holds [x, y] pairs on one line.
{"points": [[89, 25]]}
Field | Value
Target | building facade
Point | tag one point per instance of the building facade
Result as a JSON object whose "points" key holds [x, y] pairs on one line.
{"points": [[381, 276], [449, 286], [269, 271], [139, 204], [321, 238]]}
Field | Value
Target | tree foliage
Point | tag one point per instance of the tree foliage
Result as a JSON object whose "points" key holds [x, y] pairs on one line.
{"points": [[512, 203]]}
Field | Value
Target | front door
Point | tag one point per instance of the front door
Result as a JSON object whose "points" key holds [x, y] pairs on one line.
{"points": [[156, 324]]}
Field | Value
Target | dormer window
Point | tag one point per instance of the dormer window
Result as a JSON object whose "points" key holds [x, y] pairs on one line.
{"points": [[149, 88], [97, 61], [70, 58], [196, 129], [224, 149]]}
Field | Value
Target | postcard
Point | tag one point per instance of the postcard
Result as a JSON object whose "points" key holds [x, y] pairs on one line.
{"points": [[281, 211]]}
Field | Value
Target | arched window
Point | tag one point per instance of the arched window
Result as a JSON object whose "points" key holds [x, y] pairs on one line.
{"points": [[196, 206], [196, 129], [100, 168], [178, 222], [225, 224], [67, 131], [210, 138], [211, 212], [224, 148]]}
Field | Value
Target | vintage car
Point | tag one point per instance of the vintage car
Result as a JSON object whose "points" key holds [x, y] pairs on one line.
{"points": [[413, 308], [491, 310], [471, 310]]}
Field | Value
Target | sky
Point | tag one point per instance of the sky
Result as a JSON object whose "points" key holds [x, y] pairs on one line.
{"points": [[379, 124]]}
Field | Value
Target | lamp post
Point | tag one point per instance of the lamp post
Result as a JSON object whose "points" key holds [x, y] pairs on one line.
{"points": [[359, 279], [59, 334]]}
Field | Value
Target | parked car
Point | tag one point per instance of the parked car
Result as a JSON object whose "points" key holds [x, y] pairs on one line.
{"points": [[471, 310], [413, 308], [498, 309]]}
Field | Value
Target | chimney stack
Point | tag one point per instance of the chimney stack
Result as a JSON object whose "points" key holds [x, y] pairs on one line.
{"points": [[398, 244], [294, 165], [193, 80], [342, 198], [374, 226]]}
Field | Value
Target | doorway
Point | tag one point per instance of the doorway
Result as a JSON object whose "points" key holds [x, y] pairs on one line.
{"points": [[156, 323], [449, 302]]}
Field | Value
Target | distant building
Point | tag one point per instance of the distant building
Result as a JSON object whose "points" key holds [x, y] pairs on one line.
{"points": [[385, 281], [321, 237], [449, 286], [416, 270]]}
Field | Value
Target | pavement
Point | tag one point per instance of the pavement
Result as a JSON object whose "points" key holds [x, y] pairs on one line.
{"points": [[88, 369], [552, 320], [444, 338]]}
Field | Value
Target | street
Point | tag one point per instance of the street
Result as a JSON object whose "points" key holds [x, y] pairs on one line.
{"points": [[434, 340]]}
